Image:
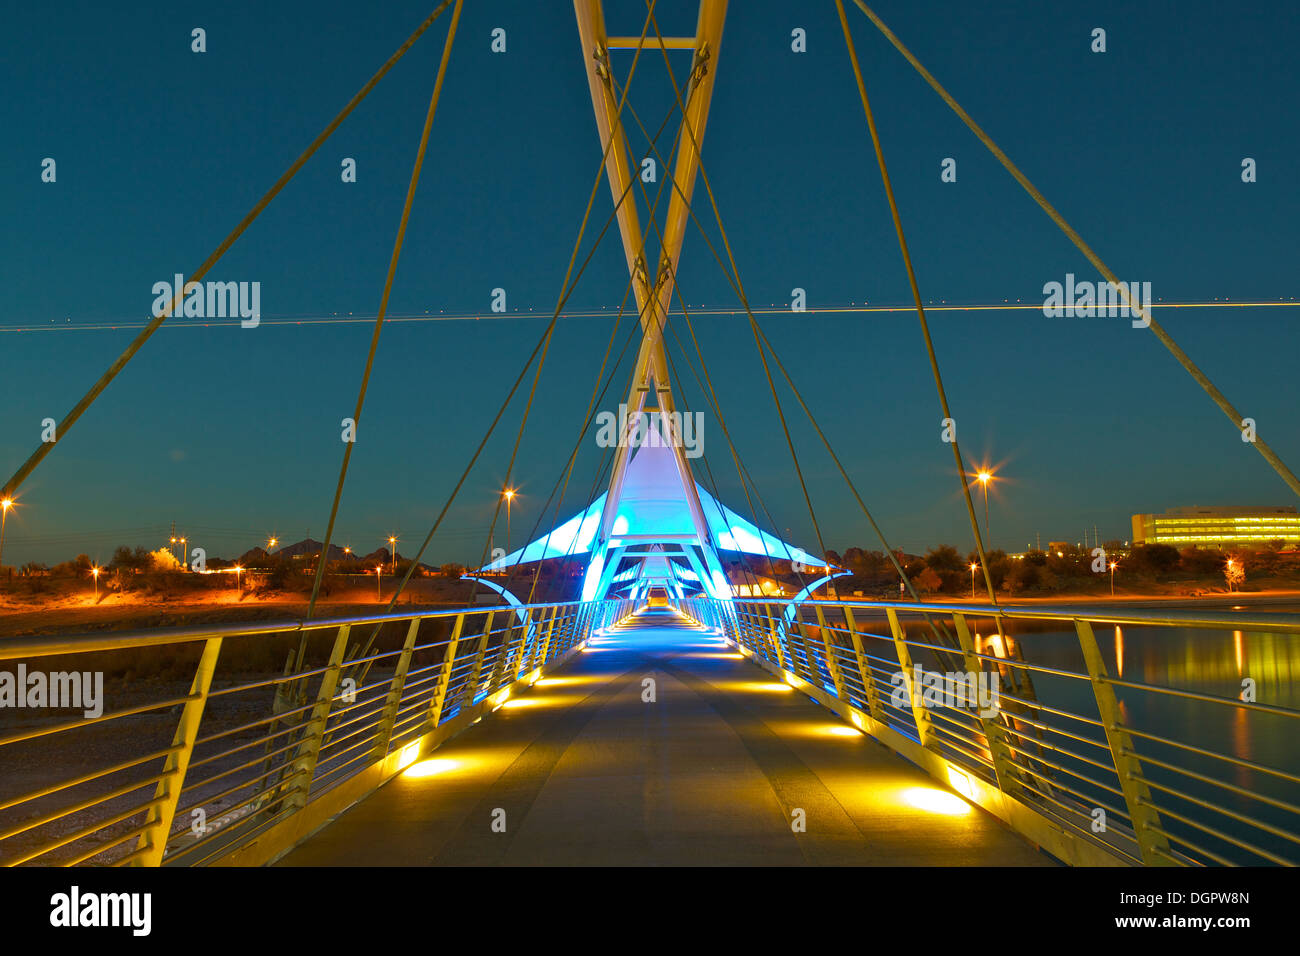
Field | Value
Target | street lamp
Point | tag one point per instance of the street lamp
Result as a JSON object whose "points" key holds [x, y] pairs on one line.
{"points": [[379, 594], [94, 572], [173, 544], [185, 555], [239, 582], [5, 505], [973, 566], [510, 497], [271, 543], [1112, 577], [392, 547], [984, 477]]}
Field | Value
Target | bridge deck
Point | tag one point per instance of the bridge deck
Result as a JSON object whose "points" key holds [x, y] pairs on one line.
{"points": [[709, 773]]}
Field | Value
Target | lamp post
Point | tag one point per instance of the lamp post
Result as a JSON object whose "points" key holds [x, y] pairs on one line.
{"points": [[392, 547], [5, 505], [185, 555], [239, 582], [984, 478], [510, 497], [1112, 577], [379, 594], [94, 573], [271, 543], [972, 579]]}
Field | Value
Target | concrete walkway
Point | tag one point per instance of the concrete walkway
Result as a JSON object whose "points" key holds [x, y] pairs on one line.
{"points": [[715, 771]]}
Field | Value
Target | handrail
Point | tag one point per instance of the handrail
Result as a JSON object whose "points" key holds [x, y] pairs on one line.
{"points": [[268, 775], [44, 645], [1013, 759]]}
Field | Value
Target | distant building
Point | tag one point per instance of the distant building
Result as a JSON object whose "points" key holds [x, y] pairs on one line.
{"points": [[1217, 527]]}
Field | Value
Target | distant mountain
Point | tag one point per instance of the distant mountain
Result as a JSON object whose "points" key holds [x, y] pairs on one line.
{"points": [[308, 546], [253, 556]]}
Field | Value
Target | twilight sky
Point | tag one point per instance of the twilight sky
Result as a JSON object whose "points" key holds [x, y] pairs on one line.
{"points": [[234, 433]]}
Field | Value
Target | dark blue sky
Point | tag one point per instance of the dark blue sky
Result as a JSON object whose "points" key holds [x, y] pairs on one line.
{"points": [[235, 433]]}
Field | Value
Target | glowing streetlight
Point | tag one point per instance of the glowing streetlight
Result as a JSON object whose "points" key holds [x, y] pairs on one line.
{"points": [[392, 548], [239, 582], [173, 544], [973, 566], [94, 573], [1113, 564], [510, 497], [185, 555], [271, 543], [984, 477], [5, 505], [379, 594]]}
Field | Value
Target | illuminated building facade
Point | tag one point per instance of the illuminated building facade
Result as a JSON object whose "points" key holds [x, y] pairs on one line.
{"points": [[1217, 527]]}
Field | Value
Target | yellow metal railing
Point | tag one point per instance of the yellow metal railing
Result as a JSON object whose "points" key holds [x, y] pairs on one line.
{"points": [[1073, 754], [168, 776]]}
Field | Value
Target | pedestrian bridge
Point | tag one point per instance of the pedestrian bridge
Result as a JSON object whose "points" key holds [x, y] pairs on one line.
{"points": [[705, 732]]}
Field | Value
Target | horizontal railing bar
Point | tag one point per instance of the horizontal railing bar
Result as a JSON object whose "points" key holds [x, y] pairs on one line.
{"points": [[86, 778], [1236, 761], [81, 834], [91, 721], [1226, 838]]}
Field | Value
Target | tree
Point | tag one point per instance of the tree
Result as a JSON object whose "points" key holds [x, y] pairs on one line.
{"points": [[1154, 558], [1234, 572], [943, 558], [927, 582], [124, 559], [1202, 561], [163, 560]]}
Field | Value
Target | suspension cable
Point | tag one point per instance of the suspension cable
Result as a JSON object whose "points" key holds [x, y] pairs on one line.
{"points": [[383, 309], [744, 299], [920, 308], [1183, 359], [710, 395], [70, 419], [566, 292], [888, 549]]}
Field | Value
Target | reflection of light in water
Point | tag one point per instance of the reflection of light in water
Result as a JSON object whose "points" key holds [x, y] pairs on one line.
{"points": [[1241, 745], [1236, 646], [1119, 651]]}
